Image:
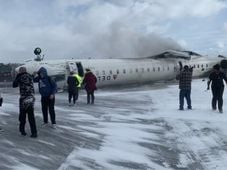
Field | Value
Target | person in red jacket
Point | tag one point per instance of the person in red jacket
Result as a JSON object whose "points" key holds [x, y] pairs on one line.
{"points": [[90, 85]]}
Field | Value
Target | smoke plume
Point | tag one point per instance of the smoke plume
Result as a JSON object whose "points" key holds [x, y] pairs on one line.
{"points": [[124, 43]]}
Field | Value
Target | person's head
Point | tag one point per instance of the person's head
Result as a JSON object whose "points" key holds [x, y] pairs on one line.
{"points": [[216, 67], [42, 72], [186, 67], [22, 70], [72, 72]]}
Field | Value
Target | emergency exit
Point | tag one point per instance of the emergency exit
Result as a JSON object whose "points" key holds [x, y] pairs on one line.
{"points": [[76, 67]]}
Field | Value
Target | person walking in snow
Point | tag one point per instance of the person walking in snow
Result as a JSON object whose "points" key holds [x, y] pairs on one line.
{"points": [[216, 77], [26, 101], [90, 85], [185, 79], [73, 89], [47, 89]]}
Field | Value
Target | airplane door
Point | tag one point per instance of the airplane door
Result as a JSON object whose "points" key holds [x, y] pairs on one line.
{"points": [[80, 69], [76, 67]]}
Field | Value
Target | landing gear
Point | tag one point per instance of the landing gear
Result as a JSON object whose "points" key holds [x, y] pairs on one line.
{"points": [[37, 52]]}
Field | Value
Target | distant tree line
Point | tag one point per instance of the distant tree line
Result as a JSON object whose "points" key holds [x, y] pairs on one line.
{"points": [[7, 71]]}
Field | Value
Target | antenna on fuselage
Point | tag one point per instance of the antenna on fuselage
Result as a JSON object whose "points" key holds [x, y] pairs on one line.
{"points": [[37, 52]]}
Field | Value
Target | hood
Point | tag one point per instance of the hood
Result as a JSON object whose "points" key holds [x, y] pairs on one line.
{"points": [[42, 71]]}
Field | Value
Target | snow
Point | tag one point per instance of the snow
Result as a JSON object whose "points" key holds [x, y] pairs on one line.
{"points": [[133, 128]]}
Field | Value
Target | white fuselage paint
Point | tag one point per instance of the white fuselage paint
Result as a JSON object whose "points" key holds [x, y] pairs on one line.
{"points": [[126, 71]]}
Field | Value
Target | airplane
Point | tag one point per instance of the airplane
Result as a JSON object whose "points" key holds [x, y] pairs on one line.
{"points": [[110, 72]]}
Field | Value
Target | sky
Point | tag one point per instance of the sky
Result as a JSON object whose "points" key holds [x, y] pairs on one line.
{"points": [[110, 28]]}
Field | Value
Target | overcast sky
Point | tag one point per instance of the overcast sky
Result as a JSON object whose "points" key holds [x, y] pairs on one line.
{"points": [[110, 28]]}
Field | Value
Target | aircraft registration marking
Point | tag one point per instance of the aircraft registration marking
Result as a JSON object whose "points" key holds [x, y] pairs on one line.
{"points": [[107, 78]]}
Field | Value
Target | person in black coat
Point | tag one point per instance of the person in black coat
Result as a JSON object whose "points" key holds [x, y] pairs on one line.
{"points": [[72, 82], [217, 87], [26, 102]]}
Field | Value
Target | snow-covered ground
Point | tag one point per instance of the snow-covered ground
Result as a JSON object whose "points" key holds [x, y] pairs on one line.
{"points": [[134, 128]]}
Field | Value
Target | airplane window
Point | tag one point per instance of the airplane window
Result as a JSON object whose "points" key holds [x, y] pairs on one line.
{"points": [[111, 72], [97, 73], [206, 65], [153, 69], [158, 68], [198, 66], [194, 66], [202, 65], [124, 71], [136, 70], [148, 69], [103, 72], [117, 71], [142, 69]]}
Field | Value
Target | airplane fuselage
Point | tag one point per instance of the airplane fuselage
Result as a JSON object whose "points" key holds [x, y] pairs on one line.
{"points": [[124, 71]]}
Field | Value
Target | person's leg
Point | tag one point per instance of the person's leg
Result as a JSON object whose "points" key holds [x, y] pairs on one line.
{"points": [[181, 99], [45, 103], [74, 97], [76, 94], [220, 99], [88, 97], [214, 98], [22, 118], [188, 98], [69, 96], [51, 110], [92, 97], [31, 119]]}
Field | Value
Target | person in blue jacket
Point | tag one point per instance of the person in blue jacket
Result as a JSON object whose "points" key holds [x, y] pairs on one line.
{"points": [[47, 89]]}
